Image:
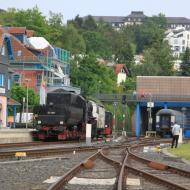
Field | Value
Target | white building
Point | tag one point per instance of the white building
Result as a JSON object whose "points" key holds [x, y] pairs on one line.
{"points": [[178, 39], [121, 72]]}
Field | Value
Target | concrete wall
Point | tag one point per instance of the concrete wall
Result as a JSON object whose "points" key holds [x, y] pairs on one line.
{"points": [[15, 135]]}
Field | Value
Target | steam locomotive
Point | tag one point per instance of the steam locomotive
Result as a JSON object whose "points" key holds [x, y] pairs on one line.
{"points": [[66, 114]]}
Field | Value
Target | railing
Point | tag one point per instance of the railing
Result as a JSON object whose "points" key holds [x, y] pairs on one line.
{"points": [[35, 59], [143, 97]]}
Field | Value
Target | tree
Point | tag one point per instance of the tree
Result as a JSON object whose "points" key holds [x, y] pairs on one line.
{"points": [[185, 65], [91, 76], [19, 92], [97, 43], [150, 32], [72, 40], [124, 50], [55, 29], [89, 23], [158, 61]]}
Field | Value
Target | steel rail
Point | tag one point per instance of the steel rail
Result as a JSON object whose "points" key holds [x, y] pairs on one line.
{"points": [[156, 178], [70, 174], [172, 169]]}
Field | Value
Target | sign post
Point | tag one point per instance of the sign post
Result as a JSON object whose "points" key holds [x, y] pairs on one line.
{"points": [[88, 133], [150, 105]]}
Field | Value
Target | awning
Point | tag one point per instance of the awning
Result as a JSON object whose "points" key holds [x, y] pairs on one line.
{"points": [[12, 102]]}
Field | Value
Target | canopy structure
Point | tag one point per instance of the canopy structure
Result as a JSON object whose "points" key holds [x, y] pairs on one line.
{"points": [[14, 104]]}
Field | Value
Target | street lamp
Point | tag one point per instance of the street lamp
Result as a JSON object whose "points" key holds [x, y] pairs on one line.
{"points": [[27, 80], [149, 109], [114, 116]]}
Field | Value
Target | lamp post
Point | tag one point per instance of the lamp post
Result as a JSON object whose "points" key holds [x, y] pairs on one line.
{"points": [[114, 116], [150, 105], [27, 80]]}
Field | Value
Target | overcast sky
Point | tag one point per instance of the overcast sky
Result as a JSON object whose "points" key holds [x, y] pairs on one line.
{"points": [[70, 8]]}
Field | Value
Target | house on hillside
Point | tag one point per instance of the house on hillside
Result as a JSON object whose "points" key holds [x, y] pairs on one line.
{"points": [[178, 39], [138, 17], [35, 60], [121, 72], [135, 18]]}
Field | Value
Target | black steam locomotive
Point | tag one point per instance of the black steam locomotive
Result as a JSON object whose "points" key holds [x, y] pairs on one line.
{"points": [[66, 114]]}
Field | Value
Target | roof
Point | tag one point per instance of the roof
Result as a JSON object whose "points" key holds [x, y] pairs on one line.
{"points": [[137, 14], [12, 102], [19, 30], [168, 112], [119, 67], [16, 30], [177, 20], [18, 46]]}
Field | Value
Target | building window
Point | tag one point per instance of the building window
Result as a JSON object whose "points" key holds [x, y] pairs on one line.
{"points": [[176, 48], [2, 79], [183, 42], [38, 79], [9, 84], [3, 51], [19, 53], [16, 78]]}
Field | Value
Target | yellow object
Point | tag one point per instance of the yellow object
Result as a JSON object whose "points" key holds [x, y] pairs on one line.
{"points": [[20, 154]]}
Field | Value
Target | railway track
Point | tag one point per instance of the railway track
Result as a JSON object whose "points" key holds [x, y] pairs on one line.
{"points": [[40, 149], [133, 167], [153, 175], [103, 175], [114, 165]]}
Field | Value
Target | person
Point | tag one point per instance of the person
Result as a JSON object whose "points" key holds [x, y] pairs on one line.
{"points": [[175, 133]]}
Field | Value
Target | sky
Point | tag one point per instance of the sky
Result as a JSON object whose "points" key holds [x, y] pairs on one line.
{"points": [[70, 8]]}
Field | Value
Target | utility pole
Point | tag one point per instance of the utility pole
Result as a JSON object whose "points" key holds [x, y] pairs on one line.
{"points": [[124, 102], [27, 80], [150, 105]]}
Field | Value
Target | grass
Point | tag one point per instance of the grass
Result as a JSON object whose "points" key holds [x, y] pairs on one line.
{"points": [[182, 151]]}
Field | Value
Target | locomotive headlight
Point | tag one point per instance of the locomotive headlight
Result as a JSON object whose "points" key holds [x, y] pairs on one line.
{"points": [[61, 122], [39, 122]]}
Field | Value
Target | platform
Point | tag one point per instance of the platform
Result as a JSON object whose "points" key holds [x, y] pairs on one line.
{"points": [[8, 135]]}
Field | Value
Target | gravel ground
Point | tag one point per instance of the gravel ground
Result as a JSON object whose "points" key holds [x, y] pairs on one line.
{"points": [[162, 157], [101, 170], [144, 183], [30, 174]]}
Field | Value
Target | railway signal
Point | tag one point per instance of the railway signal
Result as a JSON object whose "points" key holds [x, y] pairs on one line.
{"points": [[124, 99]]}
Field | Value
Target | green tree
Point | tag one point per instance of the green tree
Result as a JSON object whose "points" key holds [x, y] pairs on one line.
{"points": [[150, 32], [19, 92], [55, 29], [97, 43], [158, 61], [123, 50], [185, 65], [89, 23], [72, 40], [91, 76]]}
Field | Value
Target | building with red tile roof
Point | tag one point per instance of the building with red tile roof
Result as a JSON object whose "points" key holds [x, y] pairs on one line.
{"points": [[31, 62], [121, 72]]}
